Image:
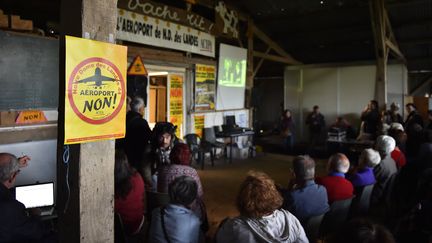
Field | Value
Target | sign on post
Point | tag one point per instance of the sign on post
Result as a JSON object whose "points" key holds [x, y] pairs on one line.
{"points": [[95, 90]]}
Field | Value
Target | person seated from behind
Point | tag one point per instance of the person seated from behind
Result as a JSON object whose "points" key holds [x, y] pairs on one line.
{"points": [[385, 168], [338, 188], [260, 220], [397, 133], [180, 157], [302, 188], [176, 222], [361, 231], [129, 194], [363, 174], [15, 223]]}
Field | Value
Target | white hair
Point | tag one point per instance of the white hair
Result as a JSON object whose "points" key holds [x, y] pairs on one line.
{"points": [[385, 144], [369, 157], [396, 126], [136, 104], [338, 163]]}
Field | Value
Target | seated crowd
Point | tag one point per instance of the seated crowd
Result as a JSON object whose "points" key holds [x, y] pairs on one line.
{"points": [[156, 164], [397, 172]]}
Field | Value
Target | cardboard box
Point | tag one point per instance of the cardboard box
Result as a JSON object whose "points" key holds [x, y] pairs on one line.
{"points": [[20, 24], [8, 118], [4, 20]]}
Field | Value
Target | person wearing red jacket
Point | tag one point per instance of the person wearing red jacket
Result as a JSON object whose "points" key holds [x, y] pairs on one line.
{"points": [[338, 188]]}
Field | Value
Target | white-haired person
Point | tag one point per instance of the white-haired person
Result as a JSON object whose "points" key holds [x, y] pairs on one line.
{"points": [[385, 168], [337, 186], [363, 174], [397, 132]]}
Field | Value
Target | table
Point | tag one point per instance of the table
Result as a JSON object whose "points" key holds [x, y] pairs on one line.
{"points": [[232, 135]]}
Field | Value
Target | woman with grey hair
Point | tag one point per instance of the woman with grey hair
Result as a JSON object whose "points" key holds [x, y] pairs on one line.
{"points": [[363, 174], [176, 222], [386, 167]]}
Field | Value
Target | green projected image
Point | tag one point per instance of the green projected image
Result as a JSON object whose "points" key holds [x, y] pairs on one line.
{"points": [[233, 73]]}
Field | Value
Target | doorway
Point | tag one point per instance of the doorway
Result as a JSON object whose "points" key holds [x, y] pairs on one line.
{"points": [[158, 99]]}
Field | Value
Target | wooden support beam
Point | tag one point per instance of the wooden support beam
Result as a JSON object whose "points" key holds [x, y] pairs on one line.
{"points": [[274, 58], [395, 50], [261, 35], [260, 62], [381, 50]]}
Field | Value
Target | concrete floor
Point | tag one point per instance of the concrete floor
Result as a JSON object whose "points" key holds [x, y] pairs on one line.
{"points": [[221, 182]]}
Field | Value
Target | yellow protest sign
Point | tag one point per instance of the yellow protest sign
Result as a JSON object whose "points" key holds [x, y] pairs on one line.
{"points": [[31, 116], [199, 124], [137, 67], [95, 90], [205, 86], [176, 102]]}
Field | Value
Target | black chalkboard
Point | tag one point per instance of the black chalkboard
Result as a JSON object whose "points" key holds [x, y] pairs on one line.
{"points": [[29, 72]]}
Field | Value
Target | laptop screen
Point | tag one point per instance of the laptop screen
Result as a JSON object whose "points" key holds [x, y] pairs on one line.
{"points": [[33, 196]]}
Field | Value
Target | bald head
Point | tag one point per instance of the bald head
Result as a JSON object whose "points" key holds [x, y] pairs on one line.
{"points": [[304, 167], [8, 166], [338, 163]]}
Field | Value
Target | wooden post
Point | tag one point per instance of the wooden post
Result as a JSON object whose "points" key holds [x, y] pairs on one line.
{"points": [[385, 42], [86, 213], [381, 50]]}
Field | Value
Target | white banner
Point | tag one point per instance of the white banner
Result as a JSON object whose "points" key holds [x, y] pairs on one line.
{"points": [[156, 32]]}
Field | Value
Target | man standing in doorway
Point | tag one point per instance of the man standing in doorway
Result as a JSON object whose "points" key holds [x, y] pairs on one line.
{"points": [[316, 123]]}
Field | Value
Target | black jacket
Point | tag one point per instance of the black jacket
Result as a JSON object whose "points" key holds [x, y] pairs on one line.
{"points": [[413, 118], [137, 137], [15, 224]]}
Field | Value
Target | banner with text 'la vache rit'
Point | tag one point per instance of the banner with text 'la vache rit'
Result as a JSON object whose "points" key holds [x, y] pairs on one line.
{"points": [[95, 99]]}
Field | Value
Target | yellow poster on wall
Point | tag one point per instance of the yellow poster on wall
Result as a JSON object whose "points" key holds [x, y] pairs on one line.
{"points": [[199, 125], [95, 90], [205, 86], [176, 102]]}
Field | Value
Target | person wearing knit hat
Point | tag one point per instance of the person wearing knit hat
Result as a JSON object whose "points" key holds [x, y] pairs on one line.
{"points": [[363, 174], [180, 158], [386, 168]]}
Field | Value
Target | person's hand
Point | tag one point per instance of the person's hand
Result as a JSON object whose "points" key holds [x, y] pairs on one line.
{"points": [[23, 161]]}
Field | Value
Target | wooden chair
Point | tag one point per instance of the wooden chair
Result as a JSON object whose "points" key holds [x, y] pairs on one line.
{"points": [[313, 226]]}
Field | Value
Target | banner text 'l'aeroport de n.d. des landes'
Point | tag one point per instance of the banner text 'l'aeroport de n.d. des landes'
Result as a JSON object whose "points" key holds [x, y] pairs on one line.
{"points": [[152, 31]]}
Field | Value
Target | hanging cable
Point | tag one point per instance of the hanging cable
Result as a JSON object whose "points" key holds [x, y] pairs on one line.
{"points": [[66, 155]]}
